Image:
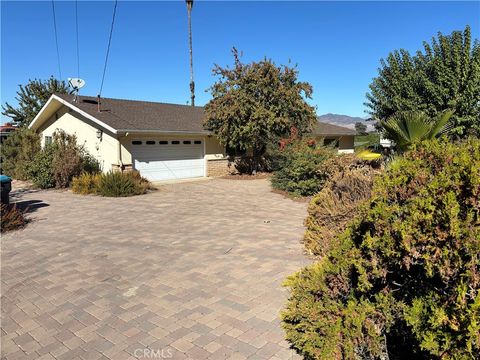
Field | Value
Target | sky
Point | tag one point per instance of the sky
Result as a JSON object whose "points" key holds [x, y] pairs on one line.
{"points": [[336, 45]]}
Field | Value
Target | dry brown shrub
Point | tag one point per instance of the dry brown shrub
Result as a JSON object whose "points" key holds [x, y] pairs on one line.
{"points": [[337, 203], [11, 218]]}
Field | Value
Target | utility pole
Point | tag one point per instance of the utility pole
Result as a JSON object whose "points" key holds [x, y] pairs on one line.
{"points": [[192, 83]]}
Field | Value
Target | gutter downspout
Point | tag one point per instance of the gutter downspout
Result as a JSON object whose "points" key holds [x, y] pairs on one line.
{"points": [[119, 153]]}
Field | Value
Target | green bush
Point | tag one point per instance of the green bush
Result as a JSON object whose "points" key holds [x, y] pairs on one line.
{"points": [[40, 170], [299, 165], [18, 151], [57, 163], [86, 183], [404, 279], [118, 184]]}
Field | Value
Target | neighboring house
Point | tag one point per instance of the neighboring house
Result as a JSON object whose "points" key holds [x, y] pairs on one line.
{"points": [[162, 141], [341, 137], [5, 131]]}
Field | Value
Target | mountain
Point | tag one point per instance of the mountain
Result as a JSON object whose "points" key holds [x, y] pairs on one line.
{"points": [[345, 120]]}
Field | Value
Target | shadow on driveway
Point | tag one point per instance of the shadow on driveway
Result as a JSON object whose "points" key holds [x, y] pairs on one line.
{"points": [[30, 206]]}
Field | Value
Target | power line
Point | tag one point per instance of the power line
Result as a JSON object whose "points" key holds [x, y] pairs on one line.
{"points": [[56, 39], [108, 47], [76, 25]]}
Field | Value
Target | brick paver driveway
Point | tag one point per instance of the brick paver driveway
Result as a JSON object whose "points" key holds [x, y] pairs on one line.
{"points": [[192, 271]]}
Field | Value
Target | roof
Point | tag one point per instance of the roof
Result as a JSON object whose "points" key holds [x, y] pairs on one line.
{"points": [[131, 115], [326, 129], [119, 115]]}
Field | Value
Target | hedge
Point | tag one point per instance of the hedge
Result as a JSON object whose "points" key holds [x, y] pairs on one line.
{"points": [[403, 280]]}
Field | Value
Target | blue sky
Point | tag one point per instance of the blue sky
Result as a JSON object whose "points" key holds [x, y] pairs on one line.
{"points": [[337, 45]]}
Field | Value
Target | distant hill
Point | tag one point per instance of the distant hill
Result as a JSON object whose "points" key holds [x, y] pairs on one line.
{"points": [[345, 120]]}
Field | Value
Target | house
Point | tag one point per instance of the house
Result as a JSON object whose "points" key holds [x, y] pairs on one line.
{"points": [[162, 141], [5, 131], [340, 137]]}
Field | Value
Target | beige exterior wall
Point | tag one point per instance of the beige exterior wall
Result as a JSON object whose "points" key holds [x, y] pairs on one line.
{"points": [[213, 149], [346, 144], [104, 150]]}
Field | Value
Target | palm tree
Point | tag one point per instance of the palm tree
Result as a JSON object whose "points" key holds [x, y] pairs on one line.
{"points": [[406, 128], [192, 83]]}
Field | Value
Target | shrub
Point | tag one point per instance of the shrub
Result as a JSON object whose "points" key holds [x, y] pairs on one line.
{"points": [[11, 218], [56, 164], [69, 159], [40, 170], [86, 183], [329, 211], [18, 151], [118, 184], [404, 278], [299, 168], [248, 165]]}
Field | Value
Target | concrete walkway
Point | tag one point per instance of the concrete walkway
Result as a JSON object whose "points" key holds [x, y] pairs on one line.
{"points": [[192, 271]]}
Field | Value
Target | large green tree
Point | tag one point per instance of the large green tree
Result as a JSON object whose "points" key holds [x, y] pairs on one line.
{"points": [[31, 98], [255, 104], [446, 75]]}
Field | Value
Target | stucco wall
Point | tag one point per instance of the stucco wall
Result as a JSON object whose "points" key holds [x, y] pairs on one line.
{"points": [[104, 150], [346, 144]]}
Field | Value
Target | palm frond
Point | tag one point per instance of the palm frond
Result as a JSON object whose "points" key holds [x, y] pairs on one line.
{"points": [[407, 127], [441, 124]]}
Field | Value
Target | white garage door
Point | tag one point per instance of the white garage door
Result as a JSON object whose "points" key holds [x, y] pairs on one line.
{"points": [[168, 159]]}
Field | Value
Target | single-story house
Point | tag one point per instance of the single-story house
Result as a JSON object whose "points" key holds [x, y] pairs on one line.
{"points": [[340, 137], [162, 141]]}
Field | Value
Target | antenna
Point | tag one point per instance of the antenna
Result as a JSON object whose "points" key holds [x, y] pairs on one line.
{"points": [[76, 84]]}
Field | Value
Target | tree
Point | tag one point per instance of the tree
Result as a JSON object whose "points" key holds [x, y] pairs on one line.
{"points": [[407, 128], [256, 104], [18, 152], [446, 75], [360, 128], [31, 98], [192, 83]]}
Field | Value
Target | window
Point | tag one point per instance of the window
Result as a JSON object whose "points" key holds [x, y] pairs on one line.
{"points": [[187, 142], [197, 142], [175, 142], [150, 142], [163, 142], [48, 140], [136, 142]]}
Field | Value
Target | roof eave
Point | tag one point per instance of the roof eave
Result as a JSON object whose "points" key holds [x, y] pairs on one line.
{"points": [[166, 132], [37, 121]]}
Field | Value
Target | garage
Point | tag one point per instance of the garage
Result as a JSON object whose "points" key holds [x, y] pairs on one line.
{"points": [[161, 159]]}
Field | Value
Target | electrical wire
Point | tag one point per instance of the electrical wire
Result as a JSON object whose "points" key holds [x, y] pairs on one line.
{"points": [[76, 26], [108, 47], [56, 39]]}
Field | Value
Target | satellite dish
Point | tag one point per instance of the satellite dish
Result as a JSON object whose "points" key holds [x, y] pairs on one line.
{"points": [[76, 83]]}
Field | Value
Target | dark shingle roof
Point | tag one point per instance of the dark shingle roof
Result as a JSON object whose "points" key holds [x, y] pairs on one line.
{"points": [[145, 115], [141, 115], [325, 129]]}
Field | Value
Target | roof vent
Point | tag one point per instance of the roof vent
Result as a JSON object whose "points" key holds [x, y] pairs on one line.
{"points": [[88, 101]]}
